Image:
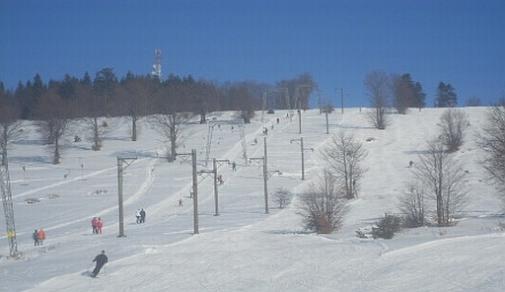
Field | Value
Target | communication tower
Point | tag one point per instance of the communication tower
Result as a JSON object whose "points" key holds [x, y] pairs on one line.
{"points": [[157, 64]]}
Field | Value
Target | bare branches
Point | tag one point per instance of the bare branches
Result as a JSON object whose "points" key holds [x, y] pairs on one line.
{"points": [[10, 129], [412, 204], [453, 124], [443, 180], [323, 206], [55, 114], [492, 141], [9, 132], [344, 155], [378, 86], [168, 125]]}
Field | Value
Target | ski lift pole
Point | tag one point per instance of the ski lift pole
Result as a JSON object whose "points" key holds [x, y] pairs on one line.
{"points": [[265, 173], [302, 149], [195, 188], [120, 169]]}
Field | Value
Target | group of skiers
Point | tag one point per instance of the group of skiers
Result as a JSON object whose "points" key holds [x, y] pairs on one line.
{"points": [[97, 225], [38, 237], [141, 216]]}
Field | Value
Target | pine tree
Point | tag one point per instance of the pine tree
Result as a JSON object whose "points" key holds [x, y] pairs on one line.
{"points": [[419, 96], [86, 80], [446, 96]]}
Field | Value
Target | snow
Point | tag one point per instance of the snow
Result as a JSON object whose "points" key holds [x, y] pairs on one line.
{"points": [[244, 249]]}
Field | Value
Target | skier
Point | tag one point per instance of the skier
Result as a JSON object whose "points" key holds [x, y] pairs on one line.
{"points": [[93, 225], [99, 225], [234, 166], [41, 236], [180, 202], [100, 260], [142, 216], [35, 237], [137, 214]]}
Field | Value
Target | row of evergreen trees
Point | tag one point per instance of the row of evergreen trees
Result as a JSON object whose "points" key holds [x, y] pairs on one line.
{"points": [[108, 95]]}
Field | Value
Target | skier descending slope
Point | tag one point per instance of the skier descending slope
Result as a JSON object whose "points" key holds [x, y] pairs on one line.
{"points": [[100, 260]]}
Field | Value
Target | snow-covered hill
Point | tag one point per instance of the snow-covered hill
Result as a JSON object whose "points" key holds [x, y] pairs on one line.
{"points": [[244, 249]]}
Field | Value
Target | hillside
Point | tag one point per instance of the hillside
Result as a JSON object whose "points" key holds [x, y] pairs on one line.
{"points": [[244, 249]]}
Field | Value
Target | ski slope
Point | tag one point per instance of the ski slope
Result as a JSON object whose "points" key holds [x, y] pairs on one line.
{"points": [[244, 249]]}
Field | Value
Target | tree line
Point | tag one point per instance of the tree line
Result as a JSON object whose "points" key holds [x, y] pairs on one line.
{"points": [[110, 95], [168, 103]]}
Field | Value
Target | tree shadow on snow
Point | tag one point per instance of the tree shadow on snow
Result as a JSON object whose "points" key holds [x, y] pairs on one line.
{"points": [[30, 142], [29, 159], [138, 154], [289, 232]]}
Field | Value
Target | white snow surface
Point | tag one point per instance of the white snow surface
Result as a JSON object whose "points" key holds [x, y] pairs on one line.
{"points": [[244, 249]]}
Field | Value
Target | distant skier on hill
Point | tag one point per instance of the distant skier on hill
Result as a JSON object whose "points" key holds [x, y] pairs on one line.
{"points": [[99, 225], [35, 237], [142, 216], [41, 236], [100, 260], [138, 216], [93, 225]]}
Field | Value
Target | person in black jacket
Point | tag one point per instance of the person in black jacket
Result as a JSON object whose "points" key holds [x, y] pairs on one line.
{"points": [[100, 260], [142, 216], [35, 237]]}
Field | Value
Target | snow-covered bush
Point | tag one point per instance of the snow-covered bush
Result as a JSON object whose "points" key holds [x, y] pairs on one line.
{"points": [[387, 227]]}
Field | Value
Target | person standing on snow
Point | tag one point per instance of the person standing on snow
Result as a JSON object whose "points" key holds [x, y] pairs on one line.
{"points": [[41, 236], [100, 260], [35, 237], [142, 216], [93, 225], [99, 225], [138, 216]]}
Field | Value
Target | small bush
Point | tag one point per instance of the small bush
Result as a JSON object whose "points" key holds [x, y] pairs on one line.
{"points": [[386, 227], [453, 124], [323, 207], [412, 204], [282, 197]]}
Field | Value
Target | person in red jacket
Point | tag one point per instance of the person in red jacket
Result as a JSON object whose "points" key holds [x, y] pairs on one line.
{"points": [[99, 225], [41, 236], [93, 225]]}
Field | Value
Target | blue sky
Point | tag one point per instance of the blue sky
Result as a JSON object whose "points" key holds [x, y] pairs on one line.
{"points": [[338, 42]]}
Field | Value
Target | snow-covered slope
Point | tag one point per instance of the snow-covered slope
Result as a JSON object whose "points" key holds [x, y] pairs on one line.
{"points": [[244, 249]]}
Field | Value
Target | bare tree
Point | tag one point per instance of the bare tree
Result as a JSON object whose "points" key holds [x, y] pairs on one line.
{"points": [[453, 124], [377, 84], [93, 110], [168, 120], [412, 204], [168, 125], [344, 155], [10, 128], [137, 92], [443, 179], [55, 114], [323, 206], [282, 196], [492, 141]]}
